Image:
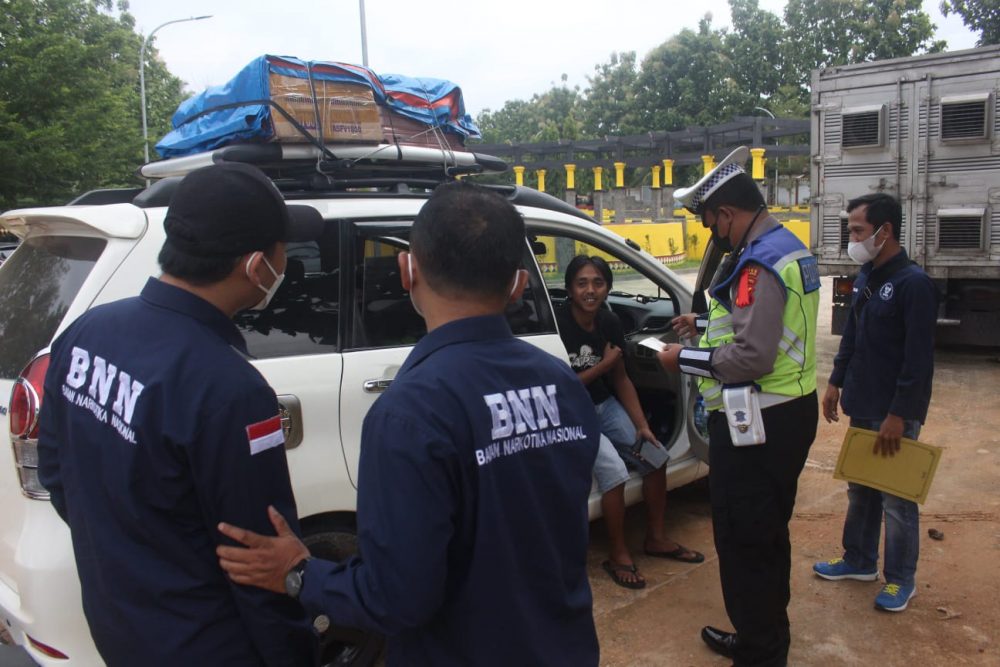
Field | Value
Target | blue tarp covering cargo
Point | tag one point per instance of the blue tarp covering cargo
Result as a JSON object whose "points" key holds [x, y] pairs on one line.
{"points": [[430, 101], [278, 97]]}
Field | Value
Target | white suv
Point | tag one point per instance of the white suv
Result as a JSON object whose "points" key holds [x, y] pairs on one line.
{"points": [[331, 341]]}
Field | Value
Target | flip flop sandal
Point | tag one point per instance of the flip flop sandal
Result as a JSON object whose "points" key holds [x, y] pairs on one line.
{"points": [[614, 571], [680, 553]]}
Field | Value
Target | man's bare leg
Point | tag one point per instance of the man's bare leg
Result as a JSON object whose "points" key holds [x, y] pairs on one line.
{"points": [[654, 492], [613, 507]]}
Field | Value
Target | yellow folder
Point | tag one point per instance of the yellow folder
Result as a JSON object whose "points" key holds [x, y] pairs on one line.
{"points": [[908, 474]]}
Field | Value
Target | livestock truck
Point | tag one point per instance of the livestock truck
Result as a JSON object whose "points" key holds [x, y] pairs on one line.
{"points": [[925, 129]]}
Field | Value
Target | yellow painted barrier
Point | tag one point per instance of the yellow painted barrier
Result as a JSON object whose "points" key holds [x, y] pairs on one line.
{"points": [[800, 228], [664, 240]]}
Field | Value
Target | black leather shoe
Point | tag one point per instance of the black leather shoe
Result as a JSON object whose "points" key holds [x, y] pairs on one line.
{"points": [[719, 641]]}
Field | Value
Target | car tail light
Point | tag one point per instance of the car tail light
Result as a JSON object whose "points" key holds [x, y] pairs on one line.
{"points": [[843, 286], [842, 290], [45, 649], [25, 404]]}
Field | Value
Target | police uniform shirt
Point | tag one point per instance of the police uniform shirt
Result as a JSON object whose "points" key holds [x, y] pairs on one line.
{"points": [[586, 348], [885, 362], [155, 429], [756, 325], [472, 508]]}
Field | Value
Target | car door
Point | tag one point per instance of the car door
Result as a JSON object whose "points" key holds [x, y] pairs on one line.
{"points": [[296, 344], [381, 326], [645, 296], [711, 264]]}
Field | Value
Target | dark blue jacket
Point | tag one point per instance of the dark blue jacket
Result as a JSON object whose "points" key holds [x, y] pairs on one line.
{"points": [[472, 508], [885, 364], [147, 442]]}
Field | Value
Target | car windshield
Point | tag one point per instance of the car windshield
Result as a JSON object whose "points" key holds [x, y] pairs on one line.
{"points": [[37, 285]]}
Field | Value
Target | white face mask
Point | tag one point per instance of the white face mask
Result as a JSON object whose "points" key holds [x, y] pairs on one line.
{"points": [[268, 293], [865, 251], [513, 287], [409, 269]]}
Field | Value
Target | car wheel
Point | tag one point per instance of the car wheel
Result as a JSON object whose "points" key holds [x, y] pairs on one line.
{"points": [[335, 538]]}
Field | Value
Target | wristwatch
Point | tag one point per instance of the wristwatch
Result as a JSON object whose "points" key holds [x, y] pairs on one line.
{"points": [[295, 578]]}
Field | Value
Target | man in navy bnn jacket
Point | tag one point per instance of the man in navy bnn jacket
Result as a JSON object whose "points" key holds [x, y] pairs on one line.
{"points": [[474, 474], [156, 427]]}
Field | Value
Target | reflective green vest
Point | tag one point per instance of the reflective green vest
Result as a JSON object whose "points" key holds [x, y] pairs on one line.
{"points": [[794, 372]]}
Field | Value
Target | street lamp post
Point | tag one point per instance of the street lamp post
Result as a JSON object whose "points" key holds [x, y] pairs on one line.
{"points": [[364, 34], [142, 77], [775, 157]]}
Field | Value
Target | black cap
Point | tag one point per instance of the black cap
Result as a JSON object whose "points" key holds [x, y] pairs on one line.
{"points": [[230, 209]]}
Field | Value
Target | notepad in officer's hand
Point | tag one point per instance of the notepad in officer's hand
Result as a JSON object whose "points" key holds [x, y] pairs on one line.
{"points": [[908, 474]]}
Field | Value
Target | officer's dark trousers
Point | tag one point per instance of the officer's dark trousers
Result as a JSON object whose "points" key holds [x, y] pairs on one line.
{"points": [[753, 493]]}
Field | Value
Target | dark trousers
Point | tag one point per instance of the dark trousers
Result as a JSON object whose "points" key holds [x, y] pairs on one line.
{"points": [[753, 494]]}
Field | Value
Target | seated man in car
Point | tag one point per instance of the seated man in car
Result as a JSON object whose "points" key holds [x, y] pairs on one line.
{"points": [[594, 339]]}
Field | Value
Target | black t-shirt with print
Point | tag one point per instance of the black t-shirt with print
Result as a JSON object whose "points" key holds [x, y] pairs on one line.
{"points": [[586, 348]]}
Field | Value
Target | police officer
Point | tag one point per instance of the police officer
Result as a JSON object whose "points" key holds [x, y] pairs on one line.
{"points": [[156, 428], [474, 474], [757, 352]]}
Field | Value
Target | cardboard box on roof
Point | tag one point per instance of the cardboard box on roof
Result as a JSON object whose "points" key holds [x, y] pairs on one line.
{"points": [[397, 128], [352, 105], [348, 112]]}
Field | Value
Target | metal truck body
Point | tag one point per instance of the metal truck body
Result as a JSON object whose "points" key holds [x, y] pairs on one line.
{"points": [[925, 129]]}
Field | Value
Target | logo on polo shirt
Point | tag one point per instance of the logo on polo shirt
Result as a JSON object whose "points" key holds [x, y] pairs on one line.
{"points": [[886, 292]]}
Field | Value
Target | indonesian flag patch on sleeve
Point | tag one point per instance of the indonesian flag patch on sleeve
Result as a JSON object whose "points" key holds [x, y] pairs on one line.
{"points": [[744, 292], [265, 435]]}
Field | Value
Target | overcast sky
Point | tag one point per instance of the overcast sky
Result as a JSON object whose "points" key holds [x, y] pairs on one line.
{"points": [[496, 51]]}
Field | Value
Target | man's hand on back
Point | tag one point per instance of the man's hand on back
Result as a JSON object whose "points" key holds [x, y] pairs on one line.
{"points": [[263, 561]]}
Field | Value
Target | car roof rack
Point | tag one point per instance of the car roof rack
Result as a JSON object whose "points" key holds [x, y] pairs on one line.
{"points": [[342, 162], [303, 171], [159, 193]]}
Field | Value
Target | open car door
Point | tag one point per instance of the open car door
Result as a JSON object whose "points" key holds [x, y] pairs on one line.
{"points": [[697, 416]]}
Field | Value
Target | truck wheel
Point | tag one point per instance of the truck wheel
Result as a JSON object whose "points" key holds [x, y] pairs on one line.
{"points": [[335, 538]]}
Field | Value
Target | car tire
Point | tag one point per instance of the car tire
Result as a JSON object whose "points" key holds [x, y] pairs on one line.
{"points": [[335, 538]]}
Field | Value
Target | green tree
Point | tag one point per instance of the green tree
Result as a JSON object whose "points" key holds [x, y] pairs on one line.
{"points": [[823, 33], [689, 80], [755, 49], [549, 116], [982, 16], [69, 99], [609, 107]]}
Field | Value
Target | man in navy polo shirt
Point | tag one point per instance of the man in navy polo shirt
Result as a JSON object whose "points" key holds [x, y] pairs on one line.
{"points": [[156, 427], [885, 366], [474, 474]]}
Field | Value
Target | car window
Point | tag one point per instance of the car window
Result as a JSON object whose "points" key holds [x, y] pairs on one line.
{"points": [[711, 264], [639, 302], [382, 314], [558, 251], [37, 285], [304, 315]]}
